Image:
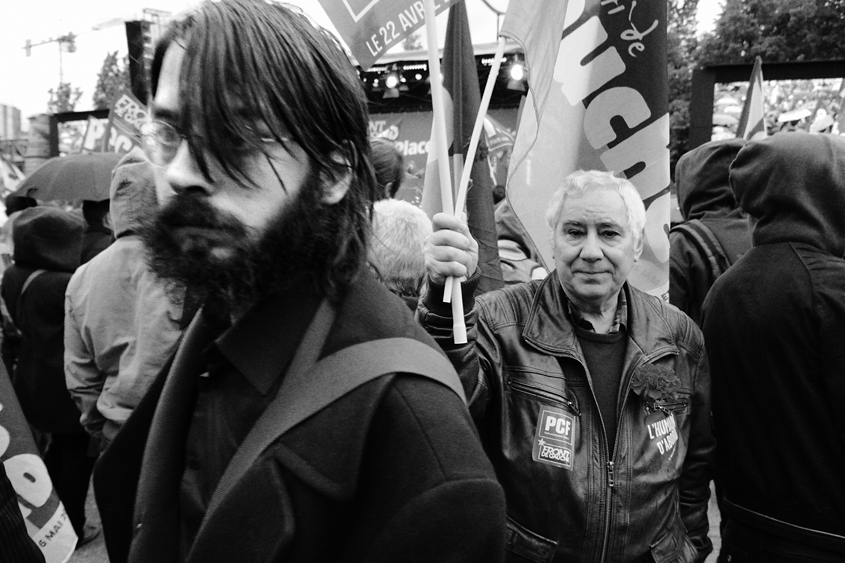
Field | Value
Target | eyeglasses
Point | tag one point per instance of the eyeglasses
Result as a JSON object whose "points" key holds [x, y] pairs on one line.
{"points": [[161, 141]]}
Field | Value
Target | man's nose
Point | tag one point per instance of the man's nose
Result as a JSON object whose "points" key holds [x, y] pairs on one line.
{"points": [[591, 248], [183, 173]]}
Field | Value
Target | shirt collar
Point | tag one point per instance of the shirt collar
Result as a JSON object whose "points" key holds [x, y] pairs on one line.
{"points": [[261, 344], [620, 320]]}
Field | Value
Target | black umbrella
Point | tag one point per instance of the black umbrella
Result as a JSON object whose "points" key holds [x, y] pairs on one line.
{"points": [[75, 177]]}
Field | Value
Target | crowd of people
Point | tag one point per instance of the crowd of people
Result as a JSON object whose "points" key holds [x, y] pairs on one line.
{"points": [[259, 364]]}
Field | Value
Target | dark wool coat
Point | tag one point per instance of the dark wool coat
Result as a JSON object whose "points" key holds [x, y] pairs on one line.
{"points": [[393, 471]]}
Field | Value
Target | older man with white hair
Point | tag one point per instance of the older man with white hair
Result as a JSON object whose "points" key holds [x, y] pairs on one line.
{"points": [[395, 254], [592, 398]]}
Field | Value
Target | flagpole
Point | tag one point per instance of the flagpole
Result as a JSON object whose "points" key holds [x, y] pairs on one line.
{"points": [[463, 186], [479, 124], [442, 152]]}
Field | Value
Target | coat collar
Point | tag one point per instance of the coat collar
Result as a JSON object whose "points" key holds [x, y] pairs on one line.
{"points": [[321, 452], [262, 343], [548, 328], [156, 514]]}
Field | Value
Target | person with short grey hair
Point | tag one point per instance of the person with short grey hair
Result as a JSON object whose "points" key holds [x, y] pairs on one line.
{"points": [[395, 255], [592, 398]]}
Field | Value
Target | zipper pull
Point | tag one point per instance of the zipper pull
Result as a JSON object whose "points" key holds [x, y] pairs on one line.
{"points": [[610, 479]]}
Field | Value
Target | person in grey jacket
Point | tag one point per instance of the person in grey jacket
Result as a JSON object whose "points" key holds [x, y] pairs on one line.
{"points": [[592, 398], [121, 324]]}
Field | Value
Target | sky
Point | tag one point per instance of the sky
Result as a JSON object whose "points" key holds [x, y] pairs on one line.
{"points": [[25, 81]]}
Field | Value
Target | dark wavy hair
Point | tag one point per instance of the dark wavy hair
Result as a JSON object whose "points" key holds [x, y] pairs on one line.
{"points": [[389, 165], [249, 61]]}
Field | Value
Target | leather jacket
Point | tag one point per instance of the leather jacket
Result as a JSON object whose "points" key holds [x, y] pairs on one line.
{"points": [[571, 496]]}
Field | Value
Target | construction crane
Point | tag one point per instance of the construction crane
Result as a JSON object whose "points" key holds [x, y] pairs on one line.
{"points": [[67, 42]]}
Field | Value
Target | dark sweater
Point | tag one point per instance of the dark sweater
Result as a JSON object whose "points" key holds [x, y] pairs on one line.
{"points": [[605, 355]]}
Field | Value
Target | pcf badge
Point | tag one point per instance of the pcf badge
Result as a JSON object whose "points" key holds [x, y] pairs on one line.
{"points": [[553, 438]]}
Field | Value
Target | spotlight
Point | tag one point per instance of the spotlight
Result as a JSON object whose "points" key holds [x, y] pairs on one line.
{"points": [[517, 77], [392, 81]]}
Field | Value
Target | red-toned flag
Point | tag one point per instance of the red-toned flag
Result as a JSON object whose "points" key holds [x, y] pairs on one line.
{"points": [[462, 97], [44, 515], [598, 100], [752, 122]]}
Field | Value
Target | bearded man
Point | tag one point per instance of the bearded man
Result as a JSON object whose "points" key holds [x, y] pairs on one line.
{"points": [[258, 445]]}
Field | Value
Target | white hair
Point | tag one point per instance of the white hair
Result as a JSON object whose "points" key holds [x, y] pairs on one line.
{"points": [[582, 181], [396, 246]]}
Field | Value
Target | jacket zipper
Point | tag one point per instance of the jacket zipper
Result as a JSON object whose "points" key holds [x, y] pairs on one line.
{"points": [[539, 391], [669, 408], [610, 468]]}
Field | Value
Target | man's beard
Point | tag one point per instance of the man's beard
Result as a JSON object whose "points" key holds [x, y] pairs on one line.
{"points": [[221, 264]]}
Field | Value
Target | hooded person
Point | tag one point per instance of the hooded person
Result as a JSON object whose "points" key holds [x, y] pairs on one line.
{"points": [[121, 324], [47, 245], [715, 231], [774, 326], [97, 236]]}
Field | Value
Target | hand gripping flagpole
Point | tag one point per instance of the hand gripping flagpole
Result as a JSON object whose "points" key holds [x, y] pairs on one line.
{"points": [[473, 144], [459, 331]]}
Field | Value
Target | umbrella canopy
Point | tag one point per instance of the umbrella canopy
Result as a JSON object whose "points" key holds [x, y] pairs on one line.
{"points": [[794, 115], [724, 119], [75, 177], [821, 124], [726, 101]]}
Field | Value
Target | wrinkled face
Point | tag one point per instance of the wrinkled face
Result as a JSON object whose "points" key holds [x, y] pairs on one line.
{"points": [[594, 248], [277, 176]]}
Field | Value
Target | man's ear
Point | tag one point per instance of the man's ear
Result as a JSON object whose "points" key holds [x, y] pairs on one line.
{"points": [[638, 247], [335, 188]]}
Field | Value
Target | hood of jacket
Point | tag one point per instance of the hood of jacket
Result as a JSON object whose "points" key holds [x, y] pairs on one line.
{"points": [[132, 193], [48, 238], [701, 178], [793, 184]]}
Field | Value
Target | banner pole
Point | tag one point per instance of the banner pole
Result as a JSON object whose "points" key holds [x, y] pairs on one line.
{"points": [[442, 151], [460, 201]]}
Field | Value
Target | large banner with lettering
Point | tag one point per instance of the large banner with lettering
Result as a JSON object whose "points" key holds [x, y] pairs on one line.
{"points": [[371, 27], [597, 101], [44, 515], [95, 135], [121, 132]]}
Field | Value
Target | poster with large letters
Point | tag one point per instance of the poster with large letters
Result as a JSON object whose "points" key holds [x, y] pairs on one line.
{"points": [[597, 101], [123, 132], [43, 513]]}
